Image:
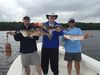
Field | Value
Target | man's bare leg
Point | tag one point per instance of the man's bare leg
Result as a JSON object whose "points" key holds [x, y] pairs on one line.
{"points": [[27, 70], [39, 69], [77, 67], [69, 66]]}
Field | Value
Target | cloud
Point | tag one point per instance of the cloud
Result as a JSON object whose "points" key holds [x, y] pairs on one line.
{"points": [[82, 10], [10, 11]]}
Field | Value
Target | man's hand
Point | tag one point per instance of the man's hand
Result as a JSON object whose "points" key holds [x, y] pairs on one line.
{"points": [[38, 33], [58, 29], [11, 33], [86, 35]]}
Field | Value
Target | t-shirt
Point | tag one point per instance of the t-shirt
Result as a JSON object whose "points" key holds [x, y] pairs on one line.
{"points": [[72, 46]]}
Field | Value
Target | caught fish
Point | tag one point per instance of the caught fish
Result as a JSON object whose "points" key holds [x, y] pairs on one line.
{"points": [[74, 37], [30, 33]]}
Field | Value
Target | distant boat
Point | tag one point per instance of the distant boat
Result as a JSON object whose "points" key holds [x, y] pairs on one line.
{"points": [[89, 66]]}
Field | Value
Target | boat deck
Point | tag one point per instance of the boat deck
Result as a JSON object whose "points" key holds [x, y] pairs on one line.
{"points": [[89, 66], [62, 68], [17, 69]]}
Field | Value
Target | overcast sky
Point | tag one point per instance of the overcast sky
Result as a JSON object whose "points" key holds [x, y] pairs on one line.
{"points": [[81, 10]]}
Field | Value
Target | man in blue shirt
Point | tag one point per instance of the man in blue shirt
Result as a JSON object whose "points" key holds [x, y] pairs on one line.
{"points": [[73, 47], [50, 45]]}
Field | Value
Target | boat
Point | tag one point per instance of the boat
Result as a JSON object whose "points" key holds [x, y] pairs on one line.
{"points": [[89, 66]]}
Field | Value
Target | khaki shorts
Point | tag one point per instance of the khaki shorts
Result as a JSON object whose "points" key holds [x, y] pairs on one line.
{"points": [[30, 59]]}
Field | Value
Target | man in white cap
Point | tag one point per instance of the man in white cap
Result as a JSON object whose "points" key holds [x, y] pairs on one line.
{"points": [[50, 46]]}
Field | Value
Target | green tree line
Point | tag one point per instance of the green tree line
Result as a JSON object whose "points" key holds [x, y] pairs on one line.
{"points": [[9, 25], [83, 26]]}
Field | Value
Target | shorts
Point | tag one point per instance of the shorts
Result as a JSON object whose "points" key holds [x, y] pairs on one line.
{"points": [[30, 59], [72, 56]]}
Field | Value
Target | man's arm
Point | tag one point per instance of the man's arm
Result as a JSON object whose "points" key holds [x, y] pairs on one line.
{"points": [[17, 35]]}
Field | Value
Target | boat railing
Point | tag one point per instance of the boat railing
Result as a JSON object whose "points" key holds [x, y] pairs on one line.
{"points": [[91, 63]]}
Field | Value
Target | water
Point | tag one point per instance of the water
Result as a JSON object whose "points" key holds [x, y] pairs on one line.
{"points": [[90, 47]]}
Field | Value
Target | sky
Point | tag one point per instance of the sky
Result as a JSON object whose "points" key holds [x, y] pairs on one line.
{"points": [[80, 10]]}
